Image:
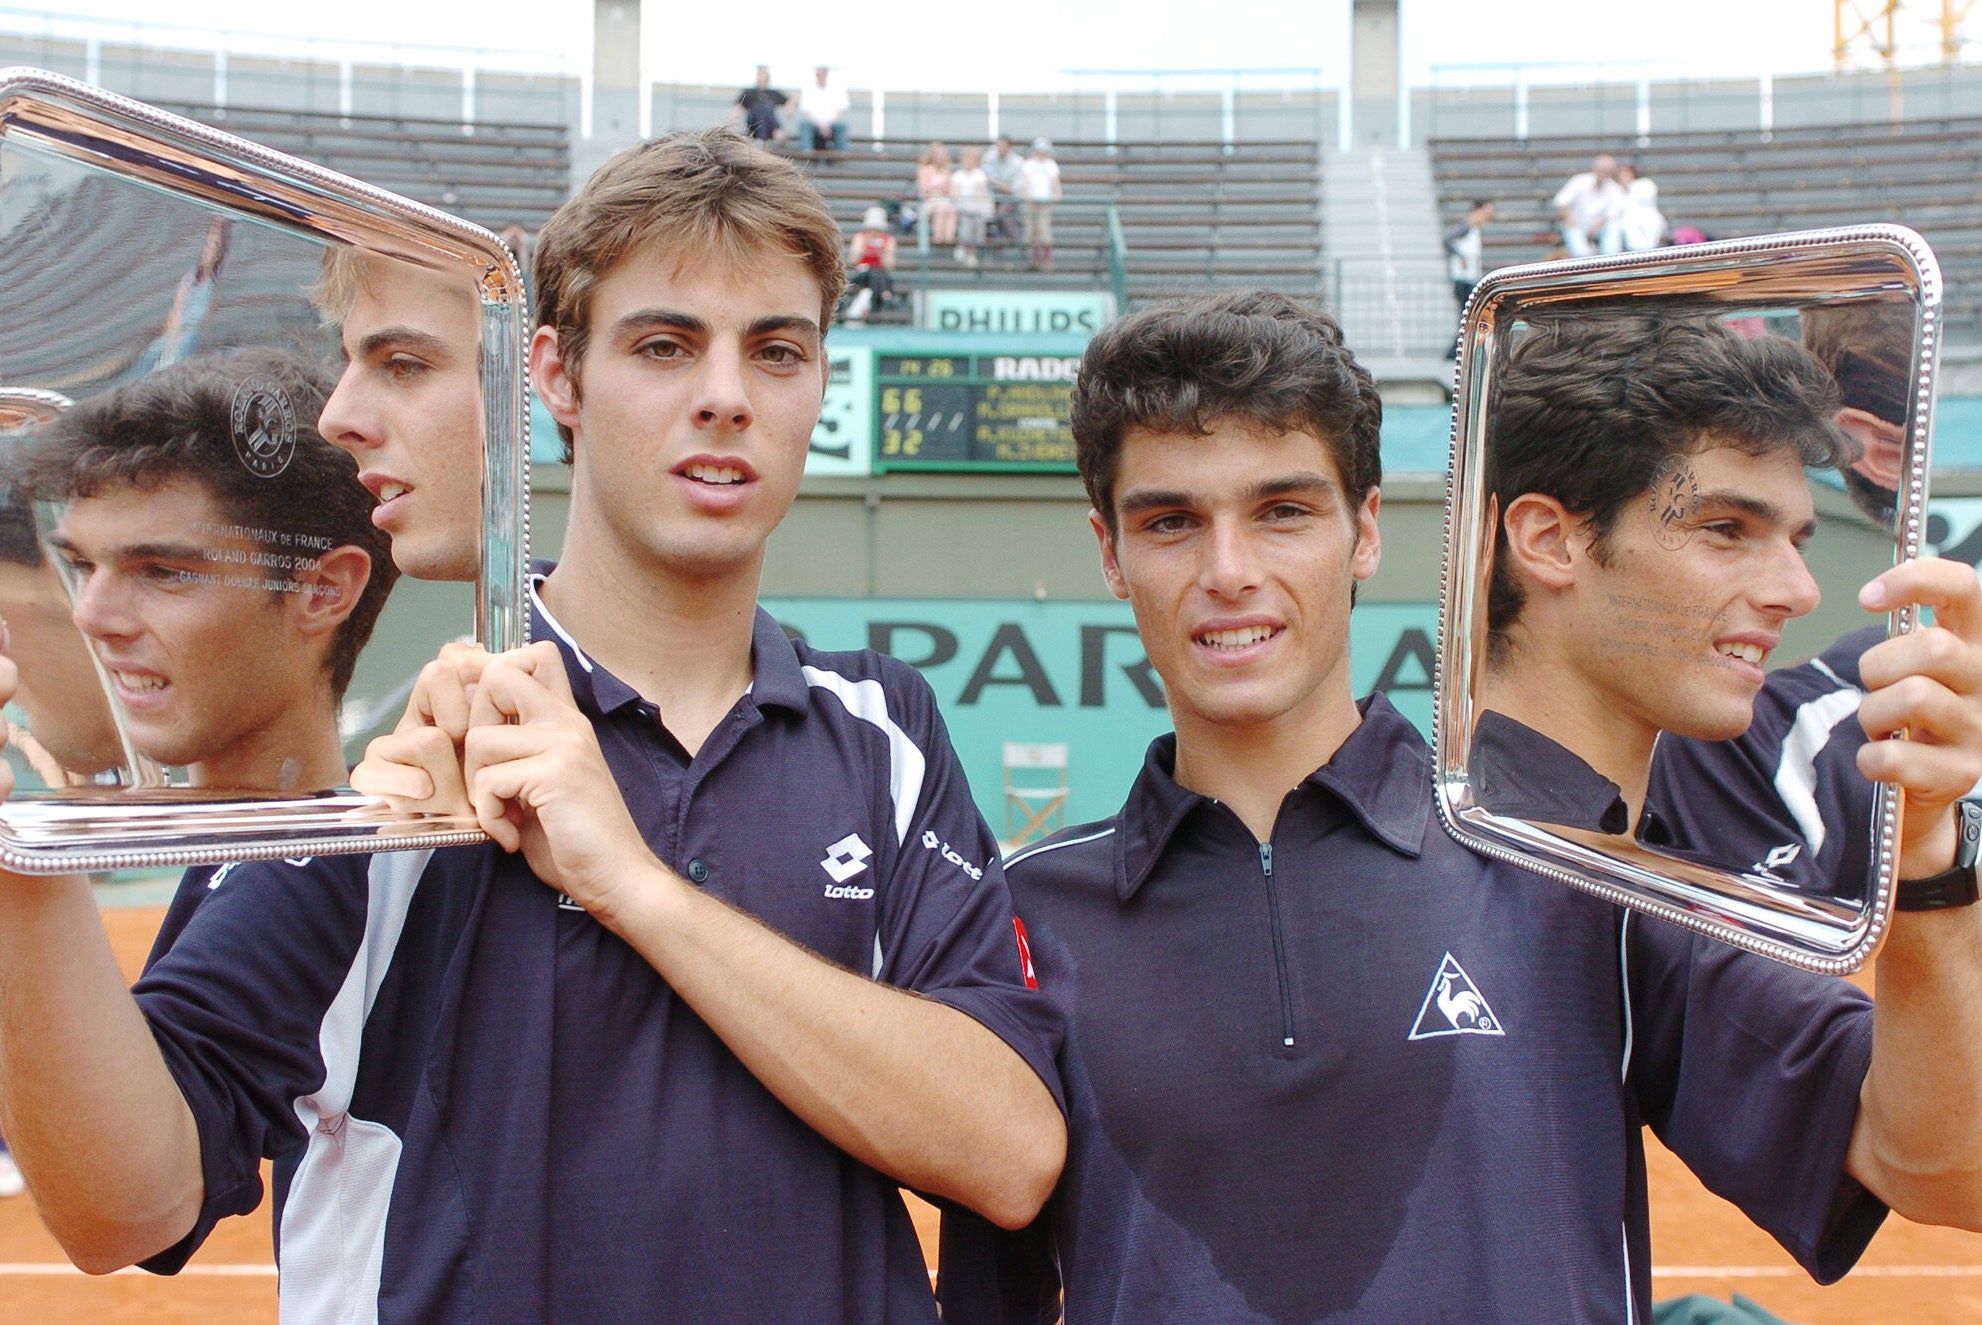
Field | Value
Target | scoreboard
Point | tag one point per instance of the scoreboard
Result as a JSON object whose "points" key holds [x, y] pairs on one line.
{"points": [[973, 411]]}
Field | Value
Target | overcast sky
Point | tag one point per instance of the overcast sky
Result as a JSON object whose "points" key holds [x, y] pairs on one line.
{"points": [[1020, 44]]}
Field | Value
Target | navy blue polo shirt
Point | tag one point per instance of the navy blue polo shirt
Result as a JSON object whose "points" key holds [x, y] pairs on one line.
{"points": [[483, 1105], [1519, 773], [1360, 1073], [1785, 798]]}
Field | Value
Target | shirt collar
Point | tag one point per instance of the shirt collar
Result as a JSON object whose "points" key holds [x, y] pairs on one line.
{"points": [[776, 676], [1381, 774], [1519, 773]]}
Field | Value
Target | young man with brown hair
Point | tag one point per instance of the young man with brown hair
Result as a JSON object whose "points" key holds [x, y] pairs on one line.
{"points": [[738, 962], [1321, 1062]]}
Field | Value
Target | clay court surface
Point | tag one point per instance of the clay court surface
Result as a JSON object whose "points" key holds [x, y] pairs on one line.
{"points": [[1911, 1276]]}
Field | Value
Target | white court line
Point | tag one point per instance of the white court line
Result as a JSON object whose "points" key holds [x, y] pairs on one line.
{"points": [[1794, 1272], [60, 1268]]}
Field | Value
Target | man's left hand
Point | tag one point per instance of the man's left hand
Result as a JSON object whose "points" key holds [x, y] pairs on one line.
{"points": [[539, 782], [1926, 685]]}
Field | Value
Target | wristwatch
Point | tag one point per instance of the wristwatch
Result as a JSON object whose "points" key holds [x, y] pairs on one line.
{"points": [[1951, 887]]}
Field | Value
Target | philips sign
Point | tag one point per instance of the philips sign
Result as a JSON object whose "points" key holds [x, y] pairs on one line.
{"points": [[1014, 312]]}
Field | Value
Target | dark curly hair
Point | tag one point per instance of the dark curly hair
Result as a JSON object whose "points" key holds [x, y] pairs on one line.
{"points": [[1253, 355]]}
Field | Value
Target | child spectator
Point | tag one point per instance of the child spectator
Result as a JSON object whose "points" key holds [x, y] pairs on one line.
{"points": [[1040, 189], [870, 257], [972, 189], [932, 186], [1636, 223]]}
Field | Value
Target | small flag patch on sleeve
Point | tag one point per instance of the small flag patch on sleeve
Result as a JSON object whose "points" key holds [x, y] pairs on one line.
{"points": [[1025, 954]]}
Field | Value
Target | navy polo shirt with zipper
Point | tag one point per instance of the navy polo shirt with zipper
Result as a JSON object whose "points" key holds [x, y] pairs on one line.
{"points": [[1358, 1072]]}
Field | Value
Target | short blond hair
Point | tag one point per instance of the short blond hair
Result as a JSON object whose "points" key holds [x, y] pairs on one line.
{"points": [[705, 193], [346, 272]]}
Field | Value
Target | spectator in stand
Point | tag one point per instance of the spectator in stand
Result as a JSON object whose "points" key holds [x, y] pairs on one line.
{"points": [[822, 114], [1584, 203], [1463, 247], [932, 187], [972, 190], [1040, 180], [1005, 168], [1462, 256], [759, 108], [180, 335], [1636, 223], [870, 257]]}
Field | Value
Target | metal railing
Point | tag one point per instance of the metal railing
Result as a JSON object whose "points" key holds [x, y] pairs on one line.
{"points": [[1637, 102], [1118, 259], [1392, 306]]}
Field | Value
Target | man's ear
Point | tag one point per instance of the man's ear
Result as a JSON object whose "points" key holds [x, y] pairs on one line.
{"points": [[1111, 570], [329, 592], [556, 386], [1883, 444], [1542, 541], [1369, 540]]}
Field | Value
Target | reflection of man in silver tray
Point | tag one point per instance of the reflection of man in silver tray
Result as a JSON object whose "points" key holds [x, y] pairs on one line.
{"points": [[222, 564], [1786, 801], [409, 405], [1649, 480]]}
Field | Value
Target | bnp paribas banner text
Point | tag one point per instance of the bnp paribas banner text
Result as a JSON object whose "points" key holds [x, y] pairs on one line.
{"points": [[1013, 670]]}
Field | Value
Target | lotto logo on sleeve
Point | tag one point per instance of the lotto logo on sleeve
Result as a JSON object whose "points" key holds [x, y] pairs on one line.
{"points": [[844, 859], [935, 843]]}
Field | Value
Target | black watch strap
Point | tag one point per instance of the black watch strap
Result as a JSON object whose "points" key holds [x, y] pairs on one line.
{"points": [[1951, 887]]}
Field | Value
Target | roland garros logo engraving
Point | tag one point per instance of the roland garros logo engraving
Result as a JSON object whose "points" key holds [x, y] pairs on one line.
{"points": [[264, 427]]}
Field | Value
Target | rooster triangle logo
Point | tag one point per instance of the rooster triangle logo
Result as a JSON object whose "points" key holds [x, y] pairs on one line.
{"points": [[1454, 1006]]}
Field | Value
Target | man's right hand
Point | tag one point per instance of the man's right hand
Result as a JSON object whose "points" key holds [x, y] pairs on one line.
{"points": [[418, 766], [10, 679]]}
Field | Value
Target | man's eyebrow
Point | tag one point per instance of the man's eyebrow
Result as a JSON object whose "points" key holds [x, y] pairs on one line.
{"points": [[1149, 499], [411, 338], [1303, 481], [786, 322], [164, 551], [1748, 504], [156, 550], [649, 319]]}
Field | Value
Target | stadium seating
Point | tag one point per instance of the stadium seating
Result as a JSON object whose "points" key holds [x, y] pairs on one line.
{"points": [[1193, 214], [492, 173], [1926, 174]]}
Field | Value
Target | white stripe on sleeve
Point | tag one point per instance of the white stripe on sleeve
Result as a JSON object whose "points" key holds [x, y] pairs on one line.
{"points": [[867, 701], [333, 1223]]}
